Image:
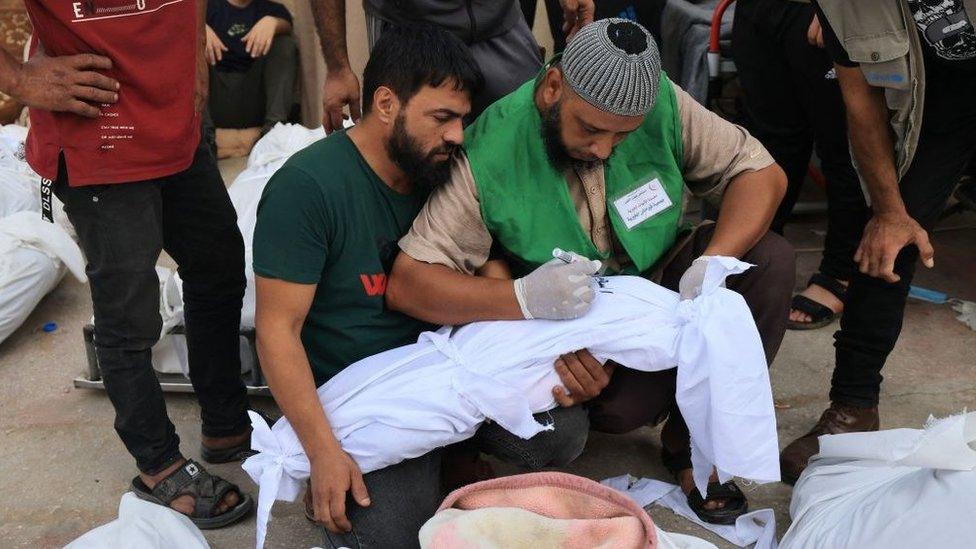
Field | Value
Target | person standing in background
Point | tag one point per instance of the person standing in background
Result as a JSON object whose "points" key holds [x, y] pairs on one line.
{"points": [[496, 32], [115, 97], [907, 71], [792, 103], [254, 61]]}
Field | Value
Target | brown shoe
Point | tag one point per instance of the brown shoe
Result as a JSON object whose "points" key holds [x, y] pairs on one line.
{"points": [[839, 418]]}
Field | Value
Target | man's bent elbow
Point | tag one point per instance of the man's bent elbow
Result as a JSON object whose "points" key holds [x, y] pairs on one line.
{"points": [[777, 181], [397, 285]]}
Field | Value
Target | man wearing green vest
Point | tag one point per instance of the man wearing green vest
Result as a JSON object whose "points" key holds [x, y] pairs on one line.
{"points": [[593, 157]]}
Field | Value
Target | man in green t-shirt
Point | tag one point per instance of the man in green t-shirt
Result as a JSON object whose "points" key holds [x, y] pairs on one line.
{"points": [[326, 238]]}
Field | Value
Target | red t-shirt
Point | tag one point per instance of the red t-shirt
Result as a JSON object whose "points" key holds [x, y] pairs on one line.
{"points": [[153, 129]]}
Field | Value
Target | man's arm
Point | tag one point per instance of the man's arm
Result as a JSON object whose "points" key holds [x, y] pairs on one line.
{"points": [[436, 276], [576, 15], [890, 228], [341, 85], [748, 207], [67, 83], [440, 295], [726, 165], [279, 316]]}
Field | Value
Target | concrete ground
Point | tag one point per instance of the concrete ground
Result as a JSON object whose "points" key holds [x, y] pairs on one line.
{"points": [[63, 470]]}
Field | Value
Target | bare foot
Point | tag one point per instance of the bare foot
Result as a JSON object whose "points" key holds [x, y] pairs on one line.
{"points": [[821, 296], [185, 504], [687, 482]]}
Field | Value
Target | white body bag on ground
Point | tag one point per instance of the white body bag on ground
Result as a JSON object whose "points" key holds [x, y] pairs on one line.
{"points": [[144, 525], [33, 256], [20, 187], [33, 252], [170, 353], [410, 400], [894, 488], [269, 154]]}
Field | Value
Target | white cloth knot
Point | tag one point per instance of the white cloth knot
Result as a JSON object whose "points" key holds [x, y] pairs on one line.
{"points": [[686, 311]]}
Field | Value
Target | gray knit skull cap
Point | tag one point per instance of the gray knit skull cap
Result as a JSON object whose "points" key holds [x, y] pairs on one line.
{"points": [[614, 65]]}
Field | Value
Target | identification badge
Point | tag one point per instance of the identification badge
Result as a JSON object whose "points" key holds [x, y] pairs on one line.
{"points": [[642, 203]]}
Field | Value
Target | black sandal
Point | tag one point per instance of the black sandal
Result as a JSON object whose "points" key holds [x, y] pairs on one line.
{"points": [[735, 506], [206, 489], [820, 314], [235, 453]]}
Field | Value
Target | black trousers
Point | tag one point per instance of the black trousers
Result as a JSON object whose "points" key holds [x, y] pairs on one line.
{"points": [[792, 103], [874, 310], [122, 229]]}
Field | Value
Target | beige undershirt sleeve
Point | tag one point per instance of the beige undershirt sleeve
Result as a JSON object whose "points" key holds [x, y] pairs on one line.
{"points": [[449, 230], [715, 150]]}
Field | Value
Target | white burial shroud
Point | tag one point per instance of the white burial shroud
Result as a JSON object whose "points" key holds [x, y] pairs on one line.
{"points": [[407, 401]]}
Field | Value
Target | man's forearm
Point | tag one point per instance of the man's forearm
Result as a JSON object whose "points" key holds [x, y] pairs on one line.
{"points": [[330, 20], [286, 367], [748, 207], [870, 136], [440, 295]]}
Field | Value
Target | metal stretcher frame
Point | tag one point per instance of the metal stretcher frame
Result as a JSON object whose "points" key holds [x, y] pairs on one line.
{"points": [[170, 383]]}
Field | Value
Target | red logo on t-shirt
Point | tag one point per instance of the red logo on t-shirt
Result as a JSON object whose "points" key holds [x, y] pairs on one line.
{"points": [[374, 284]]}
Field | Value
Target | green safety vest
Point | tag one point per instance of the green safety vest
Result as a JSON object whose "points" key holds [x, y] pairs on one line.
{"points": [[525, 201]]}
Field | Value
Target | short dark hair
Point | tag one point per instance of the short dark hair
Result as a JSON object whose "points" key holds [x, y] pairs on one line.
{"points": [[407, 58]]}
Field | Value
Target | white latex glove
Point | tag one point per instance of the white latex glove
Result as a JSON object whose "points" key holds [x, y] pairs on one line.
{"points": [[557, 290], [690, 285]]}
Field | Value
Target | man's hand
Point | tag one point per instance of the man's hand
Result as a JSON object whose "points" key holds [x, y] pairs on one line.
{"points": [[690, 285], [341, 89], [557, 290], [815, 32], [884, 237], [576, 14], [257, 41], [331, 477], [583, 376], [67, 83], [215, 47]]}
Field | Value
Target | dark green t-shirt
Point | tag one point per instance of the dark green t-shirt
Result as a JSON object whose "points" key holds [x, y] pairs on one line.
{"points": [[326, 218]]}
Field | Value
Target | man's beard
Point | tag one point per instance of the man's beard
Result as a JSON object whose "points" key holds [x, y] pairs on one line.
{"points": [[556, 151], [419, 166]]}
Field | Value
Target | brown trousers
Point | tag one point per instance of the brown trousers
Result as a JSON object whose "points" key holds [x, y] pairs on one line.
{"points": [[634, 399]]}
